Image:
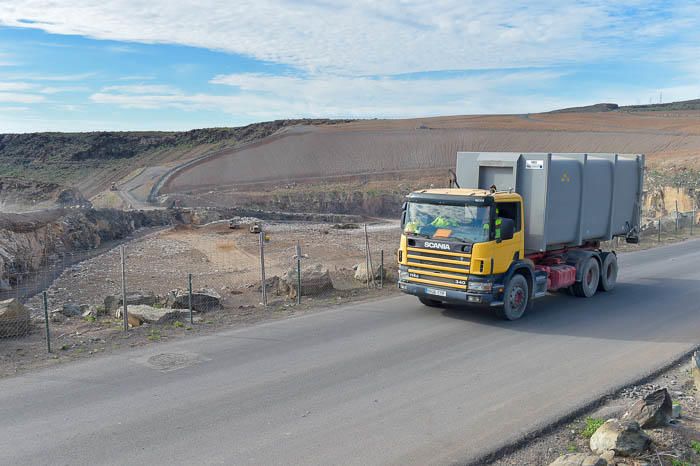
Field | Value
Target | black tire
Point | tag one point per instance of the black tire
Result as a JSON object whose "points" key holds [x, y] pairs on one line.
{"points": [[431, 302], [608, 273], [515, 298], [590, 276]]}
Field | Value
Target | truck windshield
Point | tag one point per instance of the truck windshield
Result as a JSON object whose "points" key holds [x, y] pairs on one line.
{"points": [[468, 223]]}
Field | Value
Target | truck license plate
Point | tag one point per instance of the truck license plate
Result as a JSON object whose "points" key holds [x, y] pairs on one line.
{"points": [[434, 292]]}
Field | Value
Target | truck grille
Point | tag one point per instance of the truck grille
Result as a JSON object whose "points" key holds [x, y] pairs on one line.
{"points": [[439, 268]]}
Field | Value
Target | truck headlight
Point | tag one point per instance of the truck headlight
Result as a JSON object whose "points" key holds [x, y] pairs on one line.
{"points": [[480, 287], [403, 275]]}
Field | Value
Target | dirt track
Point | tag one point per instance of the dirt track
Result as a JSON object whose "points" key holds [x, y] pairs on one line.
{"points": [[389, 145]]}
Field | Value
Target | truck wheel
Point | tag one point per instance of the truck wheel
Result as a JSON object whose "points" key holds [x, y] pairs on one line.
{"points": [[430, 302], [515, 298], [608, 273], [590, 276]]}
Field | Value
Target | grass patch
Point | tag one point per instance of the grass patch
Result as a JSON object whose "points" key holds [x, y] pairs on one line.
{"points": [[675, 462], [572, 448], [154, 335], [178, 324], [592, 424], [695, 445]]}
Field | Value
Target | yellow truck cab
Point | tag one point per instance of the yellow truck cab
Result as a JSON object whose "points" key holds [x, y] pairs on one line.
{"points": [[503, 246]]}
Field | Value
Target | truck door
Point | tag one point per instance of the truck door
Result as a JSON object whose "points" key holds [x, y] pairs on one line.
{"points": [[508, 250]]}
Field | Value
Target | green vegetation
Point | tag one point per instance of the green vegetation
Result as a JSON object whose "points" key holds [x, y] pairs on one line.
{"points": [[90, 318], [592, 424], [572, 448], [695, 445], [178, 324], [675, 462], [154, 334]]}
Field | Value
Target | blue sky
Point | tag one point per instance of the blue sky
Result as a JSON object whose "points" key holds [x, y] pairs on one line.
{"points": [[84, 65]]}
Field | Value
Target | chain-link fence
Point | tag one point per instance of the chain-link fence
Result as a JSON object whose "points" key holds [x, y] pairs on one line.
{"points": [[188, 279], [185, 279]]}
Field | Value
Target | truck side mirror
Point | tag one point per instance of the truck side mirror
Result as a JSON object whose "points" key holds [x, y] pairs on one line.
{"points": [[507, 228]]}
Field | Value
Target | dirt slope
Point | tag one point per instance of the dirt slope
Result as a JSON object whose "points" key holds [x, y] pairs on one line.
{"points": [[379, 146]]}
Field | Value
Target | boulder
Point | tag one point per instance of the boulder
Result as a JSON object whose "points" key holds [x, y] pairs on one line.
{"points": [[71, 310], [654, 410], [5, 285], [579, 459], [361, 272], [203, 300], [315, 280], [57, 316], [112, 302], [148, 298], [625, 438], [14, 319], [152, 315]]}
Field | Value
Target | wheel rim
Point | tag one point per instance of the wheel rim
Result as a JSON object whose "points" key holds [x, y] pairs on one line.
{"points": [[516, 298]]}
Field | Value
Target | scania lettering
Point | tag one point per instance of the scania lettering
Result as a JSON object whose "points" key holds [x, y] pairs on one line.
{"points": [[517, 226]]}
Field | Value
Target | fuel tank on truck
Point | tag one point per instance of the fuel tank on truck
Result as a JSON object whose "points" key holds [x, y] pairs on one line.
{"points": [[569, 199]]}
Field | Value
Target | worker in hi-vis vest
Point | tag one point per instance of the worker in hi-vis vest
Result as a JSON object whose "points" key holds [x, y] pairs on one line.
{"points": [[497, 229]]}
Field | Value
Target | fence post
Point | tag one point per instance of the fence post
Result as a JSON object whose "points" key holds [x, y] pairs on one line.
{"points": [[46, 318], [298, 256], [189, 297], [298, 280], [124, 305], [692, 221], [381, 269], [676, 216], [659, 230], [261, 237]]}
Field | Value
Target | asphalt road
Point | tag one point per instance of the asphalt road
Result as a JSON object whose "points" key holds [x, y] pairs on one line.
{"points": [[387, 382]]}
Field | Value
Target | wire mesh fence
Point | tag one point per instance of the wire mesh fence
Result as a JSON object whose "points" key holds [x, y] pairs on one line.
{"points": [[187, 278]]}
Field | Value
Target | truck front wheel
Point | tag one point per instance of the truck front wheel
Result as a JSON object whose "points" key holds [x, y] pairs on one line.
{"points": [[515, 298], [590, 276]]}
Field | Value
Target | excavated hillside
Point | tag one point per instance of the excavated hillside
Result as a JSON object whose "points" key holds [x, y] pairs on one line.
{"points": [[92, 161], [366, 147]]}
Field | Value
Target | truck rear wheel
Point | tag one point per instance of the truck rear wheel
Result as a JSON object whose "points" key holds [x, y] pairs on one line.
{"points": [[608, 273], [515, 298], [590, 276], [431, 302]]}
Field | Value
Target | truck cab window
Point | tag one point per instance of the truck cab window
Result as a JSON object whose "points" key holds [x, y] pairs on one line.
{"points": [[509, 210]]}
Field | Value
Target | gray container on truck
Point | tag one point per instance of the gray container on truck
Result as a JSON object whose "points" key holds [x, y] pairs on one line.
{"points": [[569, 199]]}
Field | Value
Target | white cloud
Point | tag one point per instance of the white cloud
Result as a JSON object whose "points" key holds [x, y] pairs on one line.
{"points": [[20, 98], [14, 86], [367, 37], [255, 96], [60, 89]]}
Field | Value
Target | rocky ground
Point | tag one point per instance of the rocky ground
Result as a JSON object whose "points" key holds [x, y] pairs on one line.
{"points": [[222, 260], [676, 443]]}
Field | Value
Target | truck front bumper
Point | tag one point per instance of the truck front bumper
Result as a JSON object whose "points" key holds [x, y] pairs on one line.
{"points": [[451, 296]]}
